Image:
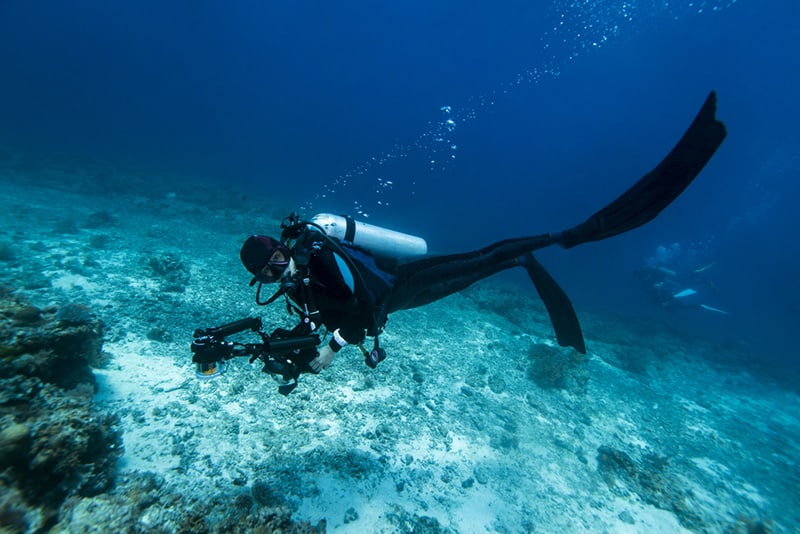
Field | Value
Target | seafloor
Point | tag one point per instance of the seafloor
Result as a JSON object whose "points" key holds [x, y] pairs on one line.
{"points": [[476, 422]]}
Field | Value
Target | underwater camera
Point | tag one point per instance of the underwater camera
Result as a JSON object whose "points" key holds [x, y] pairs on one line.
{"points": [[285, 354]]}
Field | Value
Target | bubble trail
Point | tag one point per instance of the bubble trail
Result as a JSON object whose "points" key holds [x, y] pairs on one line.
{"points": [[578, 27]]}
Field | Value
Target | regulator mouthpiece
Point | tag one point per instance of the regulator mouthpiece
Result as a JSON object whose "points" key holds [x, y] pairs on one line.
{"points": [[207, 371]]}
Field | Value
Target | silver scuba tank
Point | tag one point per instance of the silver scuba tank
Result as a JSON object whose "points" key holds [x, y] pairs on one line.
{"points": [[380, 241]]}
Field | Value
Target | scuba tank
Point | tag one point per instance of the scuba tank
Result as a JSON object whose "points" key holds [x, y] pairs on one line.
{"points": [[380, 241]]}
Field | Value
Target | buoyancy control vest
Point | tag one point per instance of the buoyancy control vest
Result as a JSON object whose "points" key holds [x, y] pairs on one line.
{"points": [[369, 252]]}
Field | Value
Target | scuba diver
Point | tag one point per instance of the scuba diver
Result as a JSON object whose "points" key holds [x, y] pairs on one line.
{"points": [[676, 278], [349, 277]]}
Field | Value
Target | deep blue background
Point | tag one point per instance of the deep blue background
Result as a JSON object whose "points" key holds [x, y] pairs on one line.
{"points": [[285, 98]]}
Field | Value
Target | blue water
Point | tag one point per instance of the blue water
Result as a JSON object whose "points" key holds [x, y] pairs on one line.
{"points": [[556, 107]]}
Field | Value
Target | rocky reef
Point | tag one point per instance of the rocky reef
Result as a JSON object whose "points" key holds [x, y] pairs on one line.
{"points": [[145, 502], [53, 442]]}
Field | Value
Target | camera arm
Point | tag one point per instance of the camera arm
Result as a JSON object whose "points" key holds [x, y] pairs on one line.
{"points": [[250, 323]]}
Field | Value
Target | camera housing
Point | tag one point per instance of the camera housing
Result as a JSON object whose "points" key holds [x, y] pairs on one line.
{"points": [[285, 354]]}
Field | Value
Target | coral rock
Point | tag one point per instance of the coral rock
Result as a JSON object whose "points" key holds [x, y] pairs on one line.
{"points": [[14, 443]]}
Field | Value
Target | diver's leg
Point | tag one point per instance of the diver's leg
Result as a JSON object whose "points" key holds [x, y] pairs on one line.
{"points": [[440, 281], [423, 281], [445, 275]]}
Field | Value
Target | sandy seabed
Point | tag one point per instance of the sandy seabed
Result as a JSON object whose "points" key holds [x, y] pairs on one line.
{"points": [[476, 422]]}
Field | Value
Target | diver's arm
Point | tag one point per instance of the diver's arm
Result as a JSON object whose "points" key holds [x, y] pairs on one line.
{"points": [[352, 335], [345, 336], [337, 341]]}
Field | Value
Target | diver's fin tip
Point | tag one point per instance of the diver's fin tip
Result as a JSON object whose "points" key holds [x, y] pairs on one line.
{"points": [[657, 189], [580, 347]]}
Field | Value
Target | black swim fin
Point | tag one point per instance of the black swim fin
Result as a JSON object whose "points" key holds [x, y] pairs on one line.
{"points": [[562, 314], [657, 189]]}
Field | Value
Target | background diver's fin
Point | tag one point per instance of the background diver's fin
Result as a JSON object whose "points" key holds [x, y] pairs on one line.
{"points": [[657, 189], [717, 310], [562, 314]]}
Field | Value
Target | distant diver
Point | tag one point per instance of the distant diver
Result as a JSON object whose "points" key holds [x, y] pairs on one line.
{"points": [[675, 278], [349, 277]]}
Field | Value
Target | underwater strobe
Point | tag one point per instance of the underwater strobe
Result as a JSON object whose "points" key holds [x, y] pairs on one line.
{"points": [[285, 355]]}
